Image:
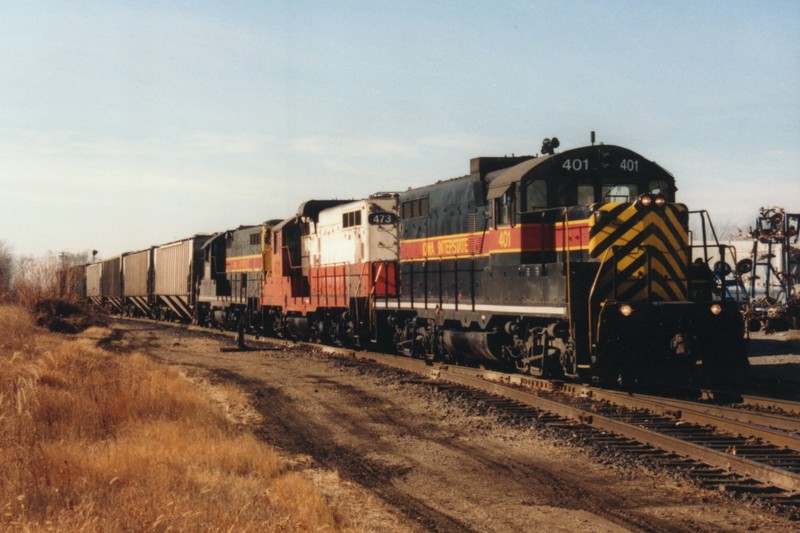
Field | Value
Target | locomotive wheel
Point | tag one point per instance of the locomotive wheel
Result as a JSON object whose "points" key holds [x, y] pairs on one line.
{"points": [[568, 363], [546, 364]]}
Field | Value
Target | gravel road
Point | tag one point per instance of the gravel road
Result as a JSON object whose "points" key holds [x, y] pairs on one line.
{"points": [[399, 456]]}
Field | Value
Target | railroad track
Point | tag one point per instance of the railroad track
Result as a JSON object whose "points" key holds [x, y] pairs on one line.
{"points": [[772, 404], [780, 405], [778, 430], [745, 452]]}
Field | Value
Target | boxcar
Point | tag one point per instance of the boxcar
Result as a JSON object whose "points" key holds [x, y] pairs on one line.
{"points": [[111, 283], [178, 270], [137, 276], [94, 273]]}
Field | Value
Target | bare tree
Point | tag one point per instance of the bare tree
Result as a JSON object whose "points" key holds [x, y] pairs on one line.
{"points": [[731, 231], [36, 279], [6, 270], [725, 230], [71, 259]]}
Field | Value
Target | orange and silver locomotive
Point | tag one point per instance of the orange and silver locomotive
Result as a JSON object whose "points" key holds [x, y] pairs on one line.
{"points": [[328, 264]]}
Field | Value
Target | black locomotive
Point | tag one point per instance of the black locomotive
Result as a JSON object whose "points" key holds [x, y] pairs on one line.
{"points": [[577, 264]]}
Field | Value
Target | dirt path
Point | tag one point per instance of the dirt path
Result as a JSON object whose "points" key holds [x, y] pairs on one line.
{"points": [[405, 458]]}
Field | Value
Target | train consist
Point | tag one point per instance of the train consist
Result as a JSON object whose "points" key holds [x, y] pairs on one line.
{"points": [[577, 264]]}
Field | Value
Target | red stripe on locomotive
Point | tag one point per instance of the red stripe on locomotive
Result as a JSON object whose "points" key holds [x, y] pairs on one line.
{"points": [[244, 264], [520, 238]]}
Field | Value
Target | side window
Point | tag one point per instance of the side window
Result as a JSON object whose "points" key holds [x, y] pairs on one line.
{"points": [[585, 194], [499, 212], [504, 208], [534, 196]]}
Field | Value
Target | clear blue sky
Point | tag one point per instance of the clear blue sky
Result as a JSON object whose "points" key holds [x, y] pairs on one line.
{"points": [[127, 124]]}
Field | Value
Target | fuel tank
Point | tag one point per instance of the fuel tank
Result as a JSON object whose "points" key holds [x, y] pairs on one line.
{"points": [[474, 345]]}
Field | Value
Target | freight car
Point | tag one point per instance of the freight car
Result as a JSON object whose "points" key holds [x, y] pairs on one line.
{"points": [[574, 264], [102, 285], [94, 290], [111, 283], [137, 283], [178, 268]]}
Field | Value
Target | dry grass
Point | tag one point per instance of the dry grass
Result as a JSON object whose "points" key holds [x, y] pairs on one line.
{"points": [[91, 441]]}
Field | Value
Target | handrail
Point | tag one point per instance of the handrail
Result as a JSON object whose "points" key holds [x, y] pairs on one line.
{"points": [[565, 245], [601, 264]]}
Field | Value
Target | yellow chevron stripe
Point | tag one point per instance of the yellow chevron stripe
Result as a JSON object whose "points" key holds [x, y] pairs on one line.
{"points": [[673, 263], [668, 255], [675, 223]]}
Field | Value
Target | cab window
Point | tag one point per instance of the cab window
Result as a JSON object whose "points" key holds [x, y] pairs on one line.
{"points": [[585, 194], [504, 208], [659, 187], [622, 192], [581, 194], [534, 196]]}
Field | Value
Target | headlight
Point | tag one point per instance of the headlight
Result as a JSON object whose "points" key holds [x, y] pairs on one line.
{"points": [[646, 200], [625, 310], [715, 309], [660, 200]]}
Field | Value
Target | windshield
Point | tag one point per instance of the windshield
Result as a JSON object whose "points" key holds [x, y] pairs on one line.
{"points": [[626, 192]]}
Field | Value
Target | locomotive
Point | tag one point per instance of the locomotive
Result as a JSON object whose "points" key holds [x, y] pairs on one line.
{"points": [[577, 264], [328, 264]]}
